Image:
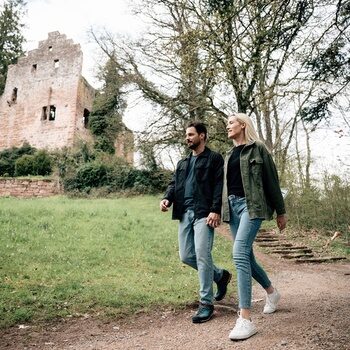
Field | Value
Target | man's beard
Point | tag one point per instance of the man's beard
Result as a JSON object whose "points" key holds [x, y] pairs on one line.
{"points": [[194, 145]]}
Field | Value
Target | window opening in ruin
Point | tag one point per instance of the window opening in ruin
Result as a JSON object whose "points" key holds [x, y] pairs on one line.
{"points": [[48, 112], [52, 115], [34, 67], [50, 48], [57, 63], [14, 95], [86, 118], [44, 113]]}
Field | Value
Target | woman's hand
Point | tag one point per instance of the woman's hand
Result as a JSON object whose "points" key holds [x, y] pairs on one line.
{"points": [[281, 222]]}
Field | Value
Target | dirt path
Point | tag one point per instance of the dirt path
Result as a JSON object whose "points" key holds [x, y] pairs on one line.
{"points": [[314, 314]]}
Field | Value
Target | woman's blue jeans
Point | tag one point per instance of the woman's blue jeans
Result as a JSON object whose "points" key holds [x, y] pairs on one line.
{"points": [[244, 230], [195, 245]]}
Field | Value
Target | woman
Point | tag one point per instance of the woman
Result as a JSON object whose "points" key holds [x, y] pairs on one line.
{"points": [[251, 194]]}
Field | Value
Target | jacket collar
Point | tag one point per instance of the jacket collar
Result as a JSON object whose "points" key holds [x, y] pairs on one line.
{"points": [[205, 153], [247, 145]]}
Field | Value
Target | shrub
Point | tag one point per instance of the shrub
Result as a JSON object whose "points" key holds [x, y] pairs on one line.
{"points": [[104, 144], [25, 165], [37, 164], [68, 161], [151, 181], [325, 206], [42, 163], [88, 175], [8, 158], [115, 175], [121, 177], [6, 167]]}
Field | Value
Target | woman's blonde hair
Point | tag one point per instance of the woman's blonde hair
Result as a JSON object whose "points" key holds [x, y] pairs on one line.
{"points": [[250, 134]]}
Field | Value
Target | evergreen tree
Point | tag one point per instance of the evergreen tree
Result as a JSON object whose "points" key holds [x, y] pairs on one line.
{"points": [[11, 37]]}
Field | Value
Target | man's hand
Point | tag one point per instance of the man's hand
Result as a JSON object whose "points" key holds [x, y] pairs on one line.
{"points": [[281, 222], [164, 205], [213, 220]]}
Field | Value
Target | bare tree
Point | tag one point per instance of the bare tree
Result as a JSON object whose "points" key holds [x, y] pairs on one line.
{"points": [[204, 59]]}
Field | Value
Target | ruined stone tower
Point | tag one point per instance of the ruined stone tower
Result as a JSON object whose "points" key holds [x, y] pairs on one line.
{"points": [[47, 102]]}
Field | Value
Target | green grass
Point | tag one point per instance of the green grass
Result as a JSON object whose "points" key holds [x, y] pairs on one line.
{"points": [[61, 256]]}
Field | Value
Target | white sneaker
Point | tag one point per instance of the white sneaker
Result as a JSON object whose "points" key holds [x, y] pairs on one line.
{"points": [[271, 302], [243, 329]]}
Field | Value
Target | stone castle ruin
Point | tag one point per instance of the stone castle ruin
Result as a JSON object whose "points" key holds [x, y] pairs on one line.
{"points": [[47, 101]]}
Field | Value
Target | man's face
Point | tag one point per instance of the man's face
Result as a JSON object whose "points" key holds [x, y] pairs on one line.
{"points": [[193, 139]]}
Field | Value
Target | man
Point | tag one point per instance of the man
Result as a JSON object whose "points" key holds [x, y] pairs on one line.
{"points": [[195, 191]]}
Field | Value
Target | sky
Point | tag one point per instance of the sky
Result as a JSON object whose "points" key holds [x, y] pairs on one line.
{"points": [[75, 17]]}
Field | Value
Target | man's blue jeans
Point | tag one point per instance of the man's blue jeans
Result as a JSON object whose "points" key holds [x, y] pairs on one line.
{"points": [[195, 245], [244, 230]]}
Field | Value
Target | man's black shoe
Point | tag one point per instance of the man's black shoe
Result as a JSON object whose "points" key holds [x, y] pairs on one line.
{"points": [[222, 285], [203, 314]]}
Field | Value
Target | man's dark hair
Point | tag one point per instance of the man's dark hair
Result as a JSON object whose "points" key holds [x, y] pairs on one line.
{"points": [[200, 128]]}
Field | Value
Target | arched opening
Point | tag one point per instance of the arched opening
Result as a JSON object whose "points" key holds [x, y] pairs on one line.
{"points": [[86, 118]]}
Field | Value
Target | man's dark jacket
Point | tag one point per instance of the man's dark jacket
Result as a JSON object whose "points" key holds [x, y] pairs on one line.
{"points": [[208, 183]]}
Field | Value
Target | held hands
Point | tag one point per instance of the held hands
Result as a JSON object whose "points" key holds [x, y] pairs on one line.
{"points": [[213, 220], [281, 222], [164, 205]]}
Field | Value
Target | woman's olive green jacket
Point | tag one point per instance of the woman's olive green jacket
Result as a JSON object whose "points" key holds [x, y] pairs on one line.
{"points": [[260, 183]]}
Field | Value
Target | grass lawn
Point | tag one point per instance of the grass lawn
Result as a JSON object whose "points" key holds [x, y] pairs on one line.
{"points": [[62, 256]]}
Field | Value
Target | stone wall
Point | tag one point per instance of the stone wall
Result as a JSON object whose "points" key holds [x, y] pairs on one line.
{"points": [[124, 145], [27, 188]]}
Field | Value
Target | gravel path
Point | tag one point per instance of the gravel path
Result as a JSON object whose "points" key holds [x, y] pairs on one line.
{"points": [[314, 313]]}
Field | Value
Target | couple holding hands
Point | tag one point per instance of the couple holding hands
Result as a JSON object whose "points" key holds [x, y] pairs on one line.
{"points": [[243, 190]]}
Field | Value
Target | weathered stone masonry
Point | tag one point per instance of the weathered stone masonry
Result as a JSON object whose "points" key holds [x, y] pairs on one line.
{"points": [[27, 188], [46, 101]]}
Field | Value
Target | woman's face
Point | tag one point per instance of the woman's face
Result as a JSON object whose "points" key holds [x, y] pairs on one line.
{"points": [[235, 129]]}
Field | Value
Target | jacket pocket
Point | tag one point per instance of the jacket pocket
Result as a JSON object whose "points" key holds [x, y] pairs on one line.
{"points": [[255, 169], [202, 172], [181, 172]]}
